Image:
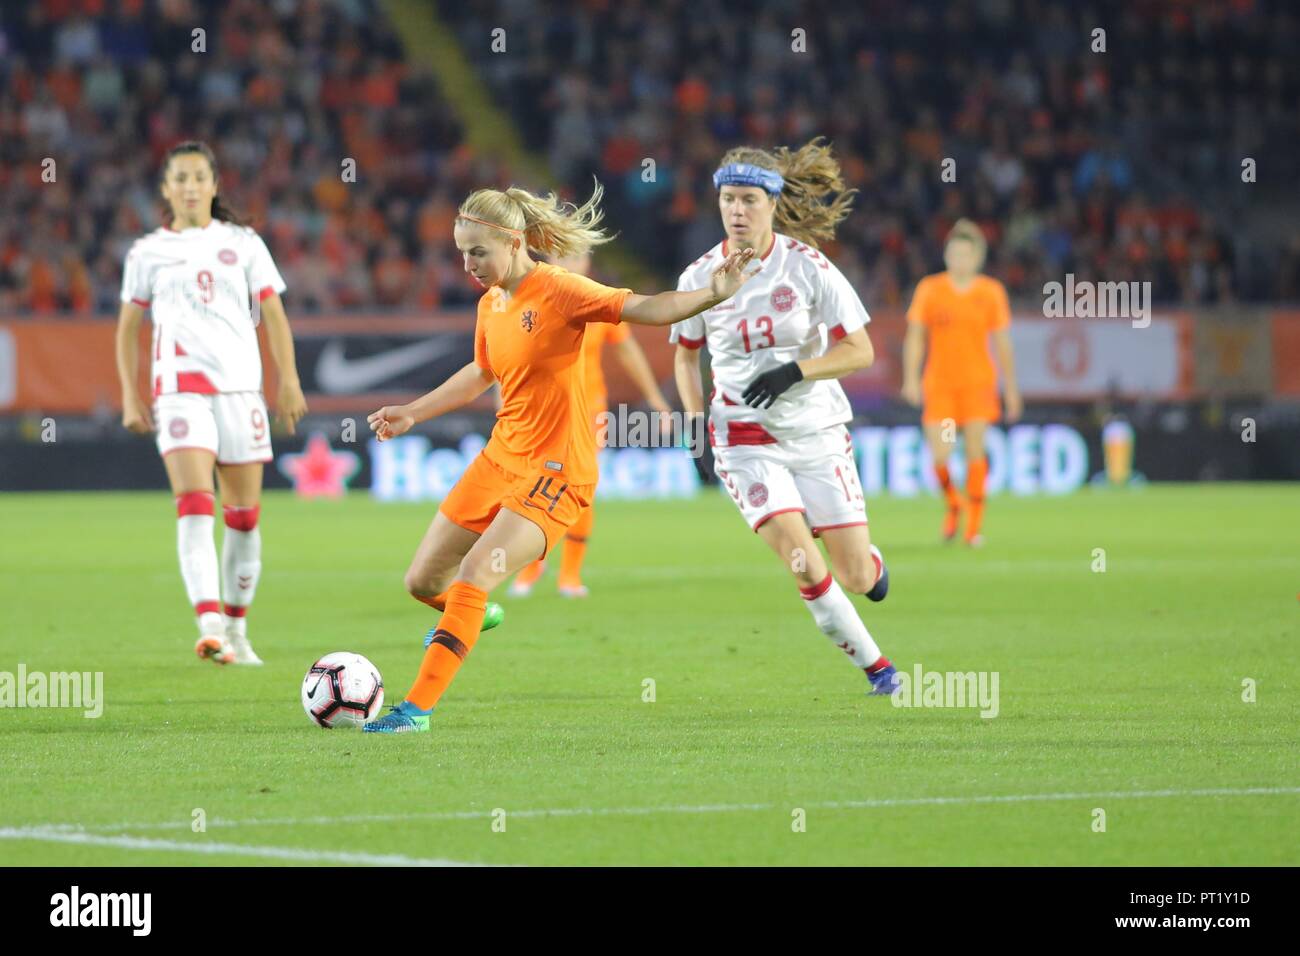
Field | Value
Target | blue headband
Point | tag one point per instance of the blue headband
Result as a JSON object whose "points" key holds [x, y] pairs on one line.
{"points": [[744, 174]]}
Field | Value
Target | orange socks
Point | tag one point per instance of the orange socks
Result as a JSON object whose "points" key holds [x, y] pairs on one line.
{"points": [[976, 472], [575, 549], [945, 482], [462, 618], [438, 602]]}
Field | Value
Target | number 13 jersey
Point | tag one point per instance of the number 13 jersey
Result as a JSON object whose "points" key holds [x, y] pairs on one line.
{"points": [[200, 285], [794, 308]]}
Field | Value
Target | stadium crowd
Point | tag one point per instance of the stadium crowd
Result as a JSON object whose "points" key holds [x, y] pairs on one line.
{"points": [[1114, 165], [106, 94]]}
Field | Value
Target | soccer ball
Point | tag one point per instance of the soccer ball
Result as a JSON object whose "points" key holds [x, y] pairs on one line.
{"points": [[342, 690]]}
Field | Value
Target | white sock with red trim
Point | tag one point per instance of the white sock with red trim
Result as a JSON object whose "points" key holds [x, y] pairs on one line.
{"points": [[241, 564], [198, 555], [838, 619]]}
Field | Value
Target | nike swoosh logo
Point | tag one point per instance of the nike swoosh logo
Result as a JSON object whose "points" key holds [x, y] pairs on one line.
{"points": [[340, 375]]}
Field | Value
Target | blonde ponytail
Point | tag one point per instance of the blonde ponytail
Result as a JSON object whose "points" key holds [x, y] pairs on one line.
{"points": [[811, 175], [548, 225]]}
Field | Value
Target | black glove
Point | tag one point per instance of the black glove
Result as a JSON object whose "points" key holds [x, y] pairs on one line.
{"points": [[697, 444], [763, 391], [704, 467]]}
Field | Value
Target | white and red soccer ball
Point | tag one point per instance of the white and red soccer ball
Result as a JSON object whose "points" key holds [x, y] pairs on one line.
{"points": [[342, 690]]}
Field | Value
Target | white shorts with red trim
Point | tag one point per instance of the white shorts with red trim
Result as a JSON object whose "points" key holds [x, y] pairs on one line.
{"points": [[814, 475], [231, 425]]}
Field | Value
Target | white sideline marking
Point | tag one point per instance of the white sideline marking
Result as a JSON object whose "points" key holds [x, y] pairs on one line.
{"points": [[701, 808], [52, 835]]}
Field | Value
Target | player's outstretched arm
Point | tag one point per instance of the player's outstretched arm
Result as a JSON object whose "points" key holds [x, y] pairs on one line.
{"points": [[669, 307], [290, 404], [1007, 361], [463, 387], [135, 411]]}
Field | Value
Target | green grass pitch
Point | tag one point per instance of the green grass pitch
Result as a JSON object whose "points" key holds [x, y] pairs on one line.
{"points": [[1120, 691]]}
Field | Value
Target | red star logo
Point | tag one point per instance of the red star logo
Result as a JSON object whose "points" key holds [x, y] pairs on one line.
{"points": [[319, 471]]}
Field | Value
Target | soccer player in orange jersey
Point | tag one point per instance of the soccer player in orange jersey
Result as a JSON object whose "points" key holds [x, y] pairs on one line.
{"points": [[630, 355], [537, 473], [953, 313]]}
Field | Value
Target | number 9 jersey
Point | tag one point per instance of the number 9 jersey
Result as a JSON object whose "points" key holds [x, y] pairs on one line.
{"points": [[792, 309], [201, 286]]}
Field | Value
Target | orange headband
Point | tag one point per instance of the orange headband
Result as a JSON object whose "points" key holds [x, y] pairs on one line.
{"points": [[484, 222]]}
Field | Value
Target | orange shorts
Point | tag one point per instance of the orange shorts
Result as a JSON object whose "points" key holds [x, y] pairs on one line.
{"points": [[548, 501], [975, 403]]}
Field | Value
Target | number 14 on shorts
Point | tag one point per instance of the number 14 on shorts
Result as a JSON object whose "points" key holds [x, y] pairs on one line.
{"points": [[543, 489]]}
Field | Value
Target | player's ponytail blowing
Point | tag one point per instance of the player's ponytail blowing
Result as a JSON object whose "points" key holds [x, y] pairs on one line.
{"points": [[814, 200], [550, 226], [220, 209]]}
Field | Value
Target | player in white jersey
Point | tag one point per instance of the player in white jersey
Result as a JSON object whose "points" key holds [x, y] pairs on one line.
{"points": [[207, 279], [777, 415]]}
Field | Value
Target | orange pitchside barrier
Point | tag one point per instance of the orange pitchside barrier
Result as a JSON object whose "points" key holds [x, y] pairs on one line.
{"points": [[68, 366], [53, 366]]}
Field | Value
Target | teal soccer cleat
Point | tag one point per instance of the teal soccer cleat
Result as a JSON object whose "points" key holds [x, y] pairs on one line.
{"points": [[403, 718]]}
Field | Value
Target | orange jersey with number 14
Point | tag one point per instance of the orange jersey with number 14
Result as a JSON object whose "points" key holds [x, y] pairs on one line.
{"points": [[533, 342]]}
